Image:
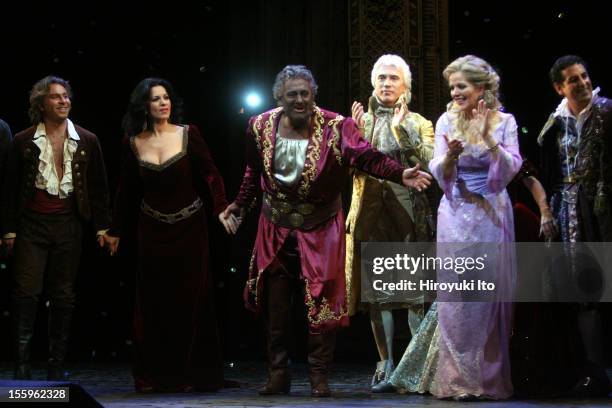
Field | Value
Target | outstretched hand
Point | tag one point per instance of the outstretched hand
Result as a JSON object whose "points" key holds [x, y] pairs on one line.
{"points": [[231, 218], [415, 178]]}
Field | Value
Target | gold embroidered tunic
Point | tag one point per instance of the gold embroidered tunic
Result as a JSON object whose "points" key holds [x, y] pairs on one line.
{"points": [[335, 145]]}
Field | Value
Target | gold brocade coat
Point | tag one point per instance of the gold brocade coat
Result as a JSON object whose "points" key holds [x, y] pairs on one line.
{"points": [[364, 188]]}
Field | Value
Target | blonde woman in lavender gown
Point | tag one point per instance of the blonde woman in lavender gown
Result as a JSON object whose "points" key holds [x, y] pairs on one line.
{"points": [[462, 353]]}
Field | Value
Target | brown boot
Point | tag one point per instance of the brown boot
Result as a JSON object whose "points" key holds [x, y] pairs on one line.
{"points": [[278, 287], [279, 382], [320, 356]]}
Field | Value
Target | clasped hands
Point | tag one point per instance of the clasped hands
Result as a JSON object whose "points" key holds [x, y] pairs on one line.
{"points": [[231, 218]]}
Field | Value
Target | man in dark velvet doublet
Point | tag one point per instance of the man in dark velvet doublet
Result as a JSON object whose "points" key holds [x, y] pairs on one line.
{"points": [[55, 181]]}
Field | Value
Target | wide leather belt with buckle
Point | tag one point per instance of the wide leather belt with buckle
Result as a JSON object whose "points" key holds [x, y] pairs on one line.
{"points": [[172, 218], [300, 215]]}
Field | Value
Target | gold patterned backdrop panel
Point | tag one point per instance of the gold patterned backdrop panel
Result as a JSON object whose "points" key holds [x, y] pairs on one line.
{"points": [[415, 29]]}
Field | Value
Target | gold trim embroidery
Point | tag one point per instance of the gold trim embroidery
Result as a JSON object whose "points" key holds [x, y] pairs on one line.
{"points": [[348, 261], [325, 313], [313, 155], [252, 283], [256, 126], [267, 147], [333, 142]]}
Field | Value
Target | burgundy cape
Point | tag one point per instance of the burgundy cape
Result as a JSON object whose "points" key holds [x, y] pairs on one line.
{"points": [[334, 147]]}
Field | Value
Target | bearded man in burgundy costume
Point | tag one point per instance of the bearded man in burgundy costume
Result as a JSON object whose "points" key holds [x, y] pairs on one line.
{"points": [[300, 156]]}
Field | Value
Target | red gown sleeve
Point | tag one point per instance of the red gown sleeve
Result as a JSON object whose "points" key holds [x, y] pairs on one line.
{"points": [[206, 170]]}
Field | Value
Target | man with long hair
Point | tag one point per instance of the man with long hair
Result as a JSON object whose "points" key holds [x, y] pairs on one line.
{"points": [[55, 180]]}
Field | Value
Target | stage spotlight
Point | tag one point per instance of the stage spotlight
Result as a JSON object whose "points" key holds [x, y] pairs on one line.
{"points": [[253, 100]]}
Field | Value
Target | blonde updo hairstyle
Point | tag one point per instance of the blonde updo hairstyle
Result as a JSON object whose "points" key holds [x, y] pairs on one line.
{"points": [[479, 73]]}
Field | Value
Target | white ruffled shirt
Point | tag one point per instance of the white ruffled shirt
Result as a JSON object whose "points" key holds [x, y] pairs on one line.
{"points": [[47, 178]]}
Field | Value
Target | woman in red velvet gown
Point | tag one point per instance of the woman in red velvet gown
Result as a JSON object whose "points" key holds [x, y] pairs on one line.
{"points": [[165, 167]]}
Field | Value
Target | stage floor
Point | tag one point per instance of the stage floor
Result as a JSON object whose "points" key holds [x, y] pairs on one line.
{"points": [[111, 385]]}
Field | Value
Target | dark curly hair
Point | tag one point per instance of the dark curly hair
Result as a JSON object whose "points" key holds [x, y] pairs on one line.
{"points": [[556, 77], [136, 119], [38, 93]]}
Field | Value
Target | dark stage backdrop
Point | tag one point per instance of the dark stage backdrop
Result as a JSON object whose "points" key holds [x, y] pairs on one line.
{"points": [[214, 52]]}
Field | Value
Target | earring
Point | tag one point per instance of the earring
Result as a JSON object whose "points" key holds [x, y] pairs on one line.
{"points": [[489, 98]]}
